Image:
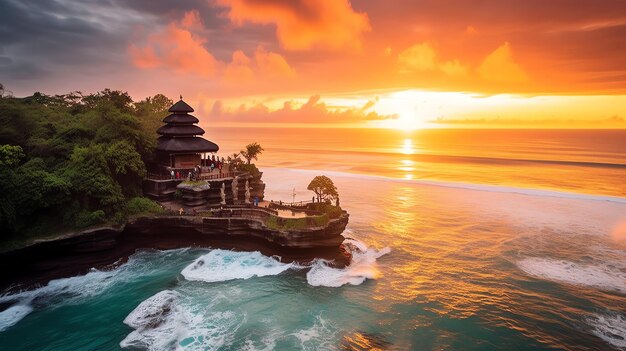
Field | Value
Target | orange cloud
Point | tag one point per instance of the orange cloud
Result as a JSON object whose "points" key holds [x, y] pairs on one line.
{"points": [[312, 111], [144, 57], [178, 48], [263, 64], [239, 70], [419, 57], [454, 68], [272, 64], [500, 67], [191, 19], [423, 57], [304, 24]]}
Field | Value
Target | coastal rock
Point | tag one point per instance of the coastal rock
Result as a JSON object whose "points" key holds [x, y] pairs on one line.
{"points": [[98, 248]]}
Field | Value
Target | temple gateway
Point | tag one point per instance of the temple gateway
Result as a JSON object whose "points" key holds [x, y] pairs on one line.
{"points": [[182, 154]]}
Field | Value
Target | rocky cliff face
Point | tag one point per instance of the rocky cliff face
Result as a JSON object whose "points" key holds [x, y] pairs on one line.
{"points": [[99, 248]]}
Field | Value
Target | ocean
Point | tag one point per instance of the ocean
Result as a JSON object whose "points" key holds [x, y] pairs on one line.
{"points": [[470, 240]]}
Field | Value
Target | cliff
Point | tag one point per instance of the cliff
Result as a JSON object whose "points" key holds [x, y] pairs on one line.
{"points": [[103, 247]]}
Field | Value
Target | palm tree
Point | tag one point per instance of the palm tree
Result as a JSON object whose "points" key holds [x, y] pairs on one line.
{"points": [[252, 152]]}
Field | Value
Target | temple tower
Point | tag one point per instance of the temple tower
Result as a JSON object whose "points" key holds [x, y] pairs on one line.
{"points": [[180, 145]]}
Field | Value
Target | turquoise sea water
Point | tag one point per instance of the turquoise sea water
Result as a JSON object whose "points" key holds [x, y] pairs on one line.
{"points": [[461, 265]]}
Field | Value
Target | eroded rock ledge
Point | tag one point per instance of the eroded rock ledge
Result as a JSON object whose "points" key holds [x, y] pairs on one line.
{"points": [[106, 247]]}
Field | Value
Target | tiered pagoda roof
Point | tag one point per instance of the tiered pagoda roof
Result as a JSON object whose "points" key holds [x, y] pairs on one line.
{"points": [[180, 134]]}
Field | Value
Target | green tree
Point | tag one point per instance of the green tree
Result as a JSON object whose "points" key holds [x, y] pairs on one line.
{"points": [[234, 160], [73, 160], [10, 156], [324, 188], [252, 152], [151, 112]]}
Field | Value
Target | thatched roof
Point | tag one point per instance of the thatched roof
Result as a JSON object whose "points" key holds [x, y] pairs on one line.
{"points": [[181, 106], [177, 118], [185, 144], [180, 130]]}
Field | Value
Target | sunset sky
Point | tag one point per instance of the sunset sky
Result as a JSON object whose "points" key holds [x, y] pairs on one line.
{"points": [[404, 64]]}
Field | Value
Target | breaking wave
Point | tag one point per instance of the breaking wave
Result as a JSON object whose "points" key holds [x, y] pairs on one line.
{"points": [[597, 276], [158, 323], [75, 289], [362, 267], [222, 265], [169, 320], [610, 328], [13, 314]]}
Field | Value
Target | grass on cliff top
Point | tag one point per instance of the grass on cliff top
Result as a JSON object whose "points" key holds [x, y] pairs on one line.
{"points": [[331, 210], [279, 223], [194, 182]]}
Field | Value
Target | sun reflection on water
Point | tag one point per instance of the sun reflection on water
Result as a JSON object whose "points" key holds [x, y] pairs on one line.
{"points": [[407, 147]]}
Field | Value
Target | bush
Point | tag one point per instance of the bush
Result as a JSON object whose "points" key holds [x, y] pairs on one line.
{"points": [[332, 211], [86, 218], [138, 205], [250, 169]]}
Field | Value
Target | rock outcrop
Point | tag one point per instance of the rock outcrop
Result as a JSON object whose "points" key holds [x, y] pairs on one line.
{"points": [[102, 247]]}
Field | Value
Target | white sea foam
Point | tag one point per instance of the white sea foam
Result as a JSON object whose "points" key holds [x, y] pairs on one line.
{"points": [[90, 284], [12, 315], [75, 289], [223, 265], [158, 323], [598, 276], [267, 343], [320, 336], [362, 267], [610, 328], [170, 320]]}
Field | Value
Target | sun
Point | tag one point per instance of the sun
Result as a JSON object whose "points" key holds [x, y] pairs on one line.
{"points": [[408, 120], [412, 109]]}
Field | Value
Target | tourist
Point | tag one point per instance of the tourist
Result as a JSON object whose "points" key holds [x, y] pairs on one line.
{"points": [[181, 211], [313, 199], [177, 175], [172, 175], [256, 201]]}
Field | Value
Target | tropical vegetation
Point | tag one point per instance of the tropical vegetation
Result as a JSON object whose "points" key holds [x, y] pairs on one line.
{"points": [[74, 160], [324, 189]]}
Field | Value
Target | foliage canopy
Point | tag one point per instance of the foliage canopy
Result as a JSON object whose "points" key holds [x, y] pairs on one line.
{"points": [[74, 160], [252, 152], [324, 188]]}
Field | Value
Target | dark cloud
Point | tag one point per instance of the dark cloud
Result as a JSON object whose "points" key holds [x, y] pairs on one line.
{"points": [[47, 40], [40, 37], [563, 45]]}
